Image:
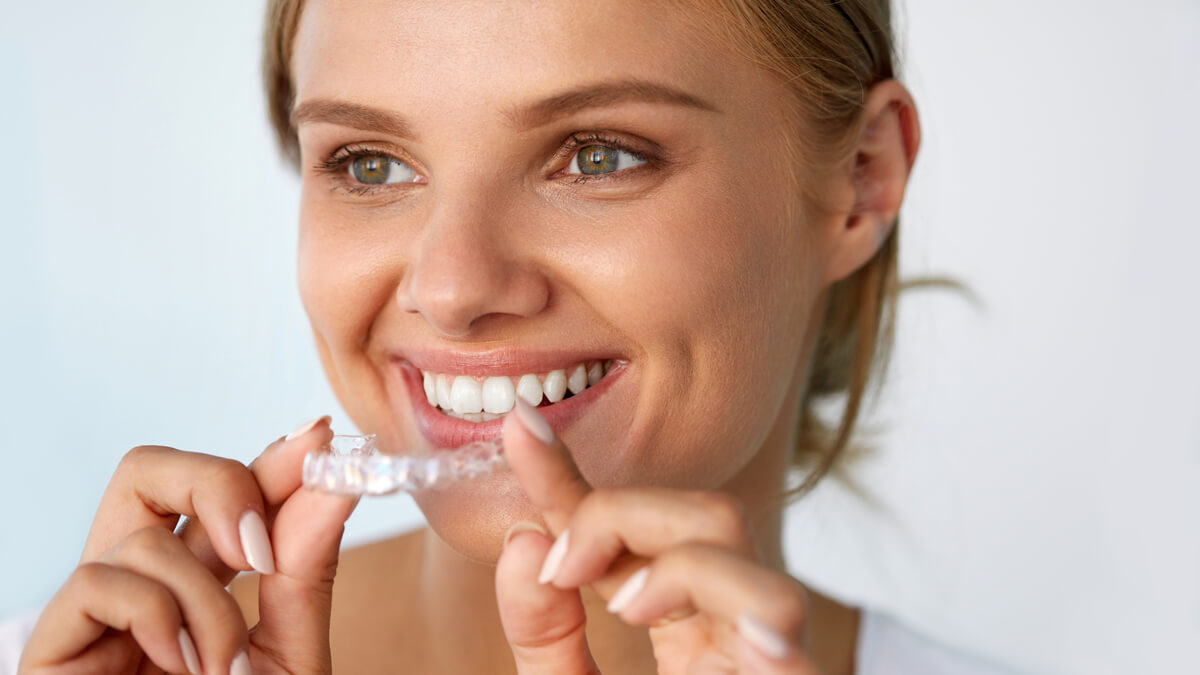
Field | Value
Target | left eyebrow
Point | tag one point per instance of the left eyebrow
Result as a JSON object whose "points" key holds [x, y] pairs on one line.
{"points": [[599, 95]]}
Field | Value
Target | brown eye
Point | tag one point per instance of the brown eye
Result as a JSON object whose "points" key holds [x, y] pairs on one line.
{"points": [[381, 170], [600, 159]]}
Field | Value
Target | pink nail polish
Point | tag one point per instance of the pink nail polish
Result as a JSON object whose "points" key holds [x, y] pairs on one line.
{"points": [[307, 427], [533, 422], [554, 558], [762, 637]]}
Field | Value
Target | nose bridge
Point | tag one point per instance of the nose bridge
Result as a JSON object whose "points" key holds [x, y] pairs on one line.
{"points": [[463, 267]]}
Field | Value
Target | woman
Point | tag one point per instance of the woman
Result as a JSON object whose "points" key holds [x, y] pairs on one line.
{"points": [[682, 213]]}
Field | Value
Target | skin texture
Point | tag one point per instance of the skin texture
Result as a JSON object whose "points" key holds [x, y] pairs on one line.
{"points": [[695, 272], [698, 271]]}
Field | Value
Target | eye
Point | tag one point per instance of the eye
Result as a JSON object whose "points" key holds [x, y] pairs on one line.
{"points": [[380, 170], [600, 159]]}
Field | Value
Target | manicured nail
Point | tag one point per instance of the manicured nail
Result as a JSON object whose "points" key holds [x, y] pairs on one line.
{"points": [[522, 526], [307, 427], [762, 637], [628, 590], [533, 422], [554, 558], [255, 543], [190, 658], [240, 665]]}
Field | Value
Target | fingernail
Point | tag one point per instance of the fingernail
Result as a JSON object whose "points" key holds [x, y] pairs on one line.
{"points": [[554, 558], [762, 637], [240, 665], [533, 421], [190, 658], [628, 590], [523, 526], [255, 543], [307, 427]]}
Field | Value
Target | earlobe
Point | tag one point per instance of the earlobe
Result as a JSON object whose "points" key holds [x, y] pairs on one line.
{"points": [[883, 160]]}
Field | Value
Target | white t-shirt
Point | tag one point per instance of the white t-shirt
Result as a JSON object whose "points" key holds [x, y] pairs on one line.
{"points": [[885, 647]]}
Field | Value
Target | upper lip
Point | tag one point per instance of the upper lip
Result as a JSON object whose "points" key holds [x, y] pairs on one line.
{"points": [[497, 361]]}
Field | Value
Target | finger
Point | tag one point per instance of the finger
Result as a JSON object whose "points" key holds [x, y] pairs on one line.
{"points": [[766, 607], [294, 603], [278, 474], [153, 485], [211, 615], [96, 597], [544, 625], [646, 521], [543, 465]]}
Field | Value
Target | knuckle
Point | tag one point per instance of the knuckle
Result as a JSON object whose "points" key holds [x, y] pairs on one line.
{"points": [[136, 457], [789, 604], [598, 502], [724, 514], [153, 541], [88, 575], [230, 472]]}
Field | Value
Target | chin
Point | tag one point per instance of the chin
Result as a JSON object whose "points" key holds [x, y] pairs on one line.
{"points": [[473, 517]]}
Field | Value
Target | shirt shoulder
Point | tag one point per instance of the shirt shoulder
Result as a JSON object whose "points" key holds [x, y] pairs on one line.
{"points": [[887, 647], [14, 632]]}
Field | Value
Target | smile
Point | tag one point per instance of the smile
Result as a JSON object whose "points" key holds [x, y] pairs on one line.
{"points": [[478, 399]]}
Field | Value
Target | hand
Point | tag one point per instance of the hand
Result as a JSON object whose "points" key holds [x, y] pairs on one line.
{"points": [[146, 600], [679, 562]]}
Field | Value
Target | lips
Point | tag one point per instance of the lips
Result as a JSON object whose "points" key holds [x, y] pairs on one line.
{"points": [[446, 431]]}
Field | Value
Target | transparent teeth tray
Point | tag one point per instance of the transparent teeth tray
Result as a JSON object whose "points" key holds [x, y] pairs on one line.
{"points": [[353, 465]]}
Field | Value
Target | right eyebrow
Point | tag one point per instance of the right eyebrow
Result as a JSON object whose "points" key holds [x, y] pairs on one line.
{"points": [[351, 115]]}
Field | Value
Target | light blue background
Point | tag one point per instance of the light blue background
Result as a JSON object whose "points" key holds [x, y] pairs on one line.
{"points": [[1039, 471]]}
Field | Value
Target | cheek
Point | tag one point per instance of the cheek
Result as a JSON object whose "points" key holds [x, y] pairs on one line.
{"points": [[344, 285], [714, 288], [342, 278]]}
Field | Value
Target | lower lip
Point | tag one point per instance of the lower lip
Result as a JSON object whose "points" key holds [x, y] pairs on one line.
{"points": [[447, 432]]}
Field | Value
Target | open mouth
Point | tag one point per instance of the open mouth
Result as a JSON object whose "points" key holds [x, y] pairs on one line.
{"points": [[483, 399]]}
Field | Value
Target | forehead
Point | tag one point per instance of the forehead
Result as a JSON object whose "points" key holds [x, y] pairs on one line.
{"points": [[488, 54]]}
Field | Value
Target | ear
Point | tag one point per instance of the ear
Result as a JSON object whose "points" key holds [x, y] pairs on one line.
{"points": [[883, 159]]}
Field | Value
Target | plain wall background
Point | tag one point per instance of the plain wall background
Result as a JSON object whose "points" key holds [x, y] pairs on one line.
{"points": [[1036, 484]]}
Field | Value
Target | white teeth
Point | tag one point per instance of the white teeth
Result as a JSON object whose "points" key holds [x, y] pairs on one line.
{"points": [[498, 395], [465, 395], [442, 389], [478, 399], [430, 389], [530, 390], [555, 385], [577, 382]]}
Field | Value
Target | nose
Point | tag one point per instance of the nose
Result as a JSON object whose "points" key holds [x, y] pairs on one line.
{"points": [[466, 270]]}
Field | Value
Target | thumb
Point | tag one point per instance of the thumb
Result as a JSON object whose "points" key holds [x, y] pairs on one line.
{"points": [[294, 603], [544, 624]]}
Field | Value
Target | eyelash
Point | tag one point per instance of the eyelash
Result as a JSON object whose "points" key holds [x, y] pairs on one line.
{"points": [[576, 142], [335, 165]]}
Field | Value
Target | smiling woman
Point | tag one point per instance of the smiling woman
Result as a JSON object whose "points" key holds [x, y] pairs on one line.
{"points": [[655, 233]]}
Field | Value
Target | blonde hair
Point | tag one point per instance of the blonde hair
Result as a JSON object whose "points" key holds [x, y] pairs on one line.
{"points": [[831, 52]]}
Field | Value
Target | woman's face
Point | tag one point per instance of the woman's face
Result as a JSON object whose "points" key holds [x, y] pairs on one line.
{"points": [[503, 190]]}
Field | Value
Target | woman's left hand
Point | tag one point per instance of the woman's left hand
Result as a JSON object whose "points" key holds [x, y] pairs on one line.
{"points": [[680, 562]]}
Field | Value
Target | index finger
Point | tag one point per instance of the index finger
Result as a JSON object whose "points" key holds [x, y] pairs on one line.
{"points": [[543, 466]]}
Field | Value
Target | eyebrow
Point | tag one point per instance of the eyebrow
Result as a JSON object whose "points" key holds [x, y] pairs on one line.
{"points": [[351, 115], [599, 95], [536, 114]]}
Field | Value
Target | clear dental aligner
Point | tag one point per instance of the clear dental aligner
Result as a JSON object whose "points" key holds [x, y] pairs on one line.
{"points": [[353, 465]]}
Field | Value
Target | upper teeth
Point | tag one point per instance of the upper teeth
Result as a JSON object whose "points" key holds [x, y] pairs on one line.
{"points": [[480, 399]]}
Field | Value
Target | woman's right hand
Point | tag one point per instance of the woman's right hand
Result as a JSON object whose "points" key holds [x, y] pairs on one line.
{"points": [[145, 599]]}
